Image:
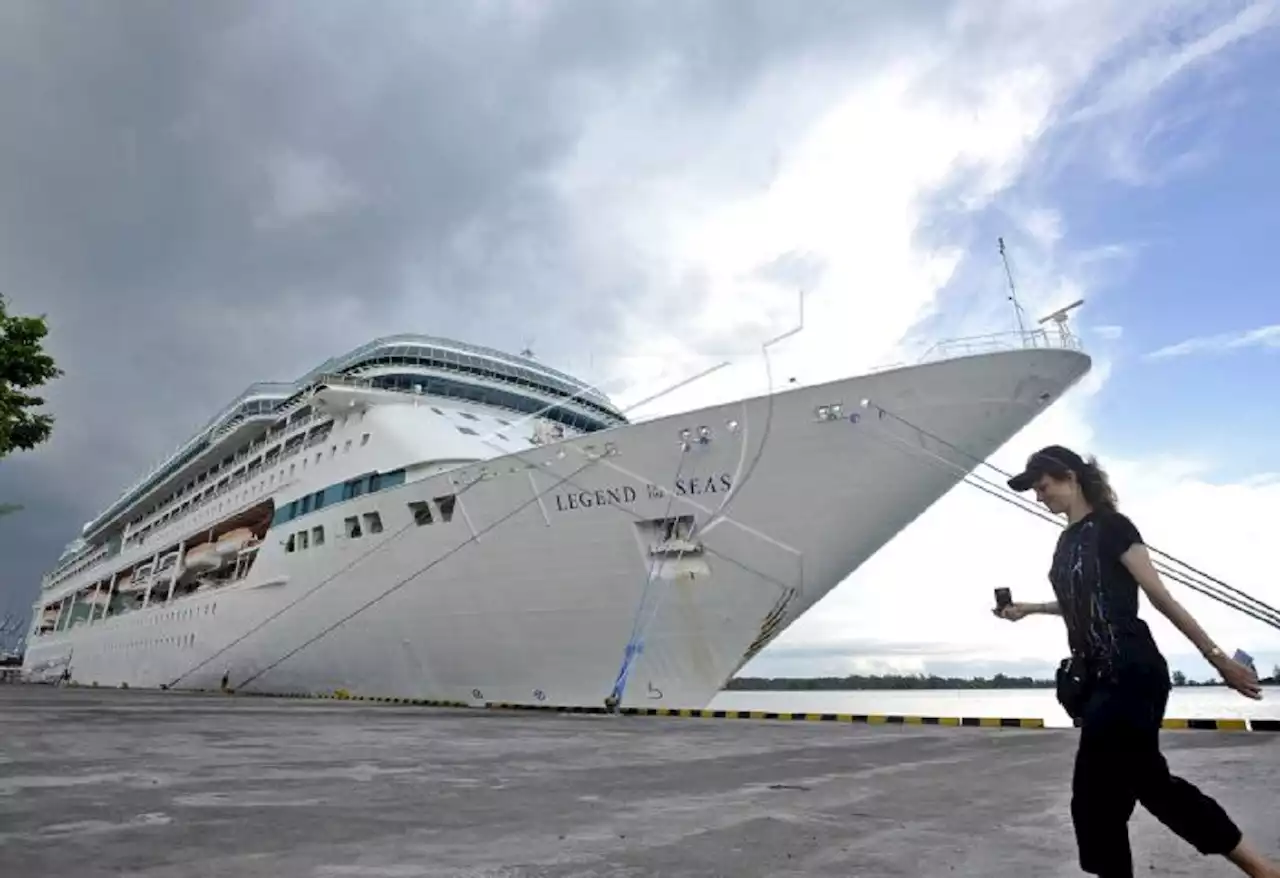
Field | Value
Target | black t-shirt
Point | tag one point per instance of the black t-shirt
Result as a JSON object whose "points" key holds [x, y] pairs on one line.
{"points": [[1098, 595]]}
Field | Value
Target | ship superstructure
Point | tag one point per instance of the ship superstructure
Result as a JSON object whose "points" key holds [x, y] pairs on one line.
{"points": [[423, 518]]}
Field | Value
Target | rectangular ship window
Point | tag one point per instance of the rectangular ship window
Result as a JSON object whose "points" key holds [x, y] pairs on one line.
{"points": [[373, 521], [421, 513]]}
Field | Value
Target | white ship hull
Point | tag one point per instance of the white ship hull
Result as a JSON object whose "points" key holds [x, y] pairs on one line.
{"points": [[531, 593]]}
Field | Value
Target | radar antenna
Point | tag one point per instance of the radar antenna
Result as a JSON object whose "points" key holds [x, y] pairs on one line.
{"points": [[1060, 317], [1013, 293]]}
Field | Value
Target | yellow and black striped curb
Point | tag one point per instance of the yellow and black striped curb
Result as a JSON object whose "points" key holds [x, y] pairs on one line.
{"points": [[345, 696], [1224, 725], [870, 719], [1173, 724]]}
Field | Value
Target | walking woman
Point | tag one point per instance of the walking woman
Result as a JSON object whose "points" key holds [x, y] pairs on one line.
{"points": [[1116, 684]]}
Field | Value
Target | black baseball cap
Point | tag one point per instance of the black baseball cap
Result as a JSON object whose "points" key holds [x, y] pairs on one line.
{"points": [[1050, 460]]}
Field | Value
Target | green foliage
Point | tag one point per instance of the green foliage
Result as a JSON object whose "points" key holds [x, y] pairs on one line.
{"points": [[24, 366], [921, 681]]}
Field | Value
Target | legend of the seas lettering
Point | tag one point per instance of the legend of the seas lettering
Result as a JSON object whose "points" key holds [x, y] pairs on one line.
{"points": [[624, 495]]}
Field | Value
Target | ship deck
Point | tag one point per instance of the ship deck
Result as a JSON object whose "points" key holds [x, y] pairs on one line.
{"points": [[109, 782]]}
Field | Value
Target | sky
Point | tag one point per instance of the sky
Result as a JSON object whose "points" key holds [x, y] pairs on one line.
{"points": [[202, 197]]}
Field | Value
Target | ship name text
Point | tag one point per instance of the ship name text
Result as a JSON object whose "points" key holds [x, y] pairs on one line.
{"points": [[625, 495]]}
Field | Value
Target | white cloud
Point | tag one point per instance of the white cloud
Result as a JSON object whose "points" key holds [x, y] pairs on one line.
{"points": [[843, 163], [1045, 226], [1148, 136], [851, 189], [1261, 337], [1142, 77], [1109, 332]]}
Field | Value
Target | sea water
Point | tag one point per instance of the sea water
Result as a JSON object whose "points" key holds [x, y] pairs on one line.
{"points": [[1216, 702]]}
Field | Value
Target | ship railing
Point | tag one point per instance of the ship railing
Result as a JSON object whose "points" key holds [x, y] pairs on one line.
{"points": [[75, 567], [155, 526], [245, 454], [1060, 338], [339, 379], [180, 498]]}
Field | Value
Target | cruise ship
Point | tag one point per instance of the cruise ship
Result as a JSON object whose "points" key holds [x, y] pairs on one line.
{"points": [[426, 519]]}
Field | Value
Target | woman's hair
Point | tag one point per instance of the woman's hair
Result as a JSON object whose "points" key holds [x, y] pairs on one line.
{"points": [[1093, 482], [1096, 487]]}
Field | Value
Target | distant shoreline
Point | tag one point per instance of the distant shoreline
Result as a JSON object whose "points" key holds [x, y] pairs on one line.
{"points": [[920, 683]]}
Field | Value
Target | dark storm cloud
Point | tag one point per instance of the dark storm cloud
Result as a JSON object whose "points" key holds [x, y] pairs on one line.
{"points": [[204, 195]]}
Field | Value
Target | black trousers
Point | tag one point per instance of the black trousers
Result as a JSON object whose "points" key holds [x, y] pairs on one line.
{"points": [[1119, 764]]}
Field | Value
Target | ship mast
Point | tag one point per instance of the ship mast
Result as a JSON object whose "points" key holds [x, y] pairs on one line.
{"points": [[1013, 293]]}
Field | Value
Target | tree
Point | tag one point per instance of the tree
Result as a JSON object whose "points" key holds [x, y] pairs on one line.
{"points": [[1179, 678], [24, 366]]}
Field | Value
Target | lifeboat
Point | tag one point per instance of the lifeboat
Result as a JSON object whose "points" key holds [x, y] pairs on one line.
{"points": [[233, 541], [202, 558]]}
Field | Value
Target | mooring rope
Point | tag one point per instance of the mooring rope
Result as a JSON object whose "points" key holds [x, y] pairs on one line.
{"points": [[1239, 600]]}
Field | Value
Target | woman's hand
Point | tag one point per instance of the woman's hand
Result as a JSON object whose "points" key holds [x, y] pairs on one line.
{"points": [[1013, 612], [1239, 677]]}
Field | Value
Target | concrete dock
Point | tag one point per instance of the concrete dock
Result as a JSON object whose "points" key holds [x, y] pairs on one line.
{"points": [[108, 782]]}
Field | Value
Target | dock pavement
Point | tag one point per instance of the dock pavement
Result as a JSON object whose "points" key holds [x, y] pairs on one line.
{"points": [[97, 782]]}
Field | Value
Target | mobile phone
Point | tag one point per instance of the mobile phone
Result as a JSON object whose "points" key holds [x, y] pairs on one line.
{"points": [[1003, 598], [1245, 659]]}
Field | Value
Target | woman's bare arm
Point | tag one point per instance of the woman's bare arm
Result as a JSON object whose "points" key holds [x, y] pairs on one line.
{"points": [[1021, 609], [1138, 560], [1049, 608], [1239, 677]]}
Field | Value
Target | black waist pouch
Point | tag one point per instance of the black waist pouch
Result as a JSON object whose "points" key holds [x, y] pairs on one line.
{"points": [[1074, 685]]}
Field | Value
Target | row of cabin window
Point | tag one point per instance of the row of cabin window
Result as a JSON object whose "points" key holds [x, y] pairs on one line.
{"points": [[255, 469], [149, 619], [299, 507], [310, 436], [185, 641], [348, 490], [434, 385], [422, 515], [305, 539]]}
